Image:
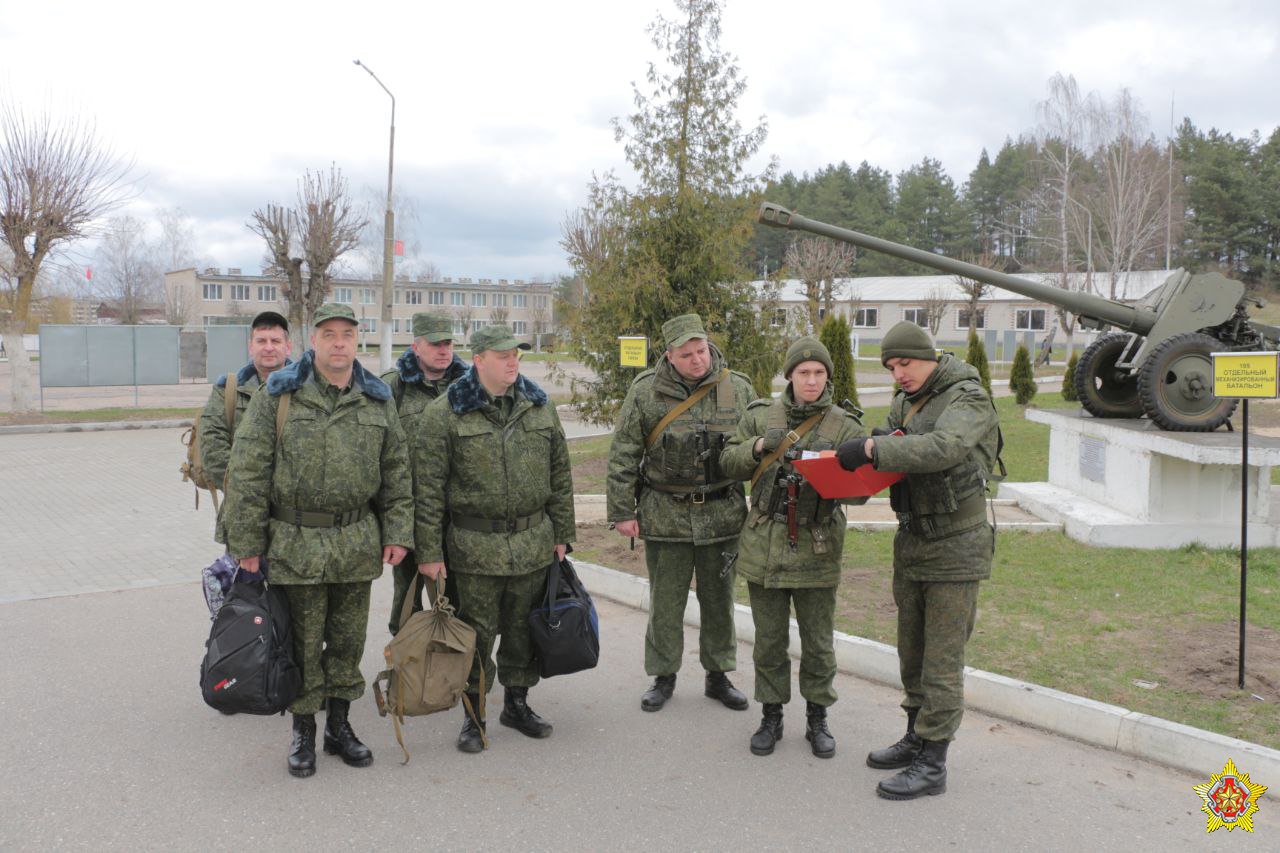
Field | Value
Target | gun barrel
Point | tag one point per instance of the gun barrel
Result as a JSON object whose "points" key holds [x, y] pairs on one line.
{"points": [[1088, 305]]}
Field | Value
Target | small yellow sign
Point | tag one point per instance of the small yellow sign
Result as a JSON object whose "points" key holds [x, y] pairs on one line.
{"points": [[633, 351], [1254, 375]]}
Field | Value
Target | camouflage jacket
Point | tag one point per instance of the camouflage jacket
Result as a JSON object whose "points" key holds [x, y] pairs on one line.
{"points": [[948, 454], [338, 452], [410, 387], [215, 436], [764, 551], [469, 461], [645, 484]]}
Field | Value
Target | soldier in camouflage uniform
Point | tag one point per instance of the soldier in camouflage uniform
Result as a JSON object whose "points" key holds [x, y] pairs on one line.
{"points": [[666, 487], [494, 493], [944, 543], [328, 500], [421, 374], [790, 548], [269, 348]]}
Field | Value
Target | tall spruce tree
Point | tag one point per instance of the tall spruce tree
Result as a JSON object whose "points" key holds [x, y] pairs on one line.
{"points": [[1021, 377], [977, 356], [835, 337]]}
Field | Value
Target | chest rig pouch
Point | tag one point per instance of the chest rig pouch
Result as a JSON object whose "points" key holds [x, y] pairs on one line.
{"points": [[684, 457], [771, 495]]}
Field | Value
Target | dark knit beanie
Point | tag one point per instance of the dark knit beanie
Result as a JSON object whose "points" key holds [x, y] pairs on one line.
{"points": [[907, 340], [806, 349]]}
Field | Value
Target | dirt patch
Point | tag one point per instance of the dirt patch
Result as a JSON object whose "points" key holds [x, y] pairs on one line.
{"points": [[598, 544], [1203, 659]]}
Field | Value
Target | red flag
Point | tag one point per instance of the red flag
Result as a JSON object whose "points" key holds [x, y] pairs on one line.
{"points": [[88, 273], [400, 248]]}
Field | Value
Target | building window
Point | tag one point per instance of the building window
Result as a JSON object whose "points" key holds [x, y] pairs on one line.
{"points": [[962, 318], [479, 300], [457, 328], [520, 327], [519, 300], [267, 293], [435, 297], [369, 324], [779, 318], [866, 318], [477, 325], [239, 293], [213, 292], [367, 296], [1030, 319], [919, 316], [342, 294], [457, 297], [499, 300], [413, 297], [539, 302], [212, 320]]}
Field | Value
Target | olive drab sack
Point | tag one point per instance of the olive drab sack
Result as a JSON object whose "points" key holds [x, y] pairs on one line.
{"points": [[193, 470], [428, 663], [248, 665]]}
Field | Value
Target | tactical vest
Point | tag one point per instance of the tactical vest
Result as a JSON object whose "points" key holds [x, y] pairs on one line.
{"points": [[811, 508], [946, 503], [686, 457]]}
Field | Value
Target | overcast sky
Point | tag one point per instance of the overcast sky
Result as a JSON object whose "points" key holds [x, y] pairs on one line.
{"points": [[503, 107]]}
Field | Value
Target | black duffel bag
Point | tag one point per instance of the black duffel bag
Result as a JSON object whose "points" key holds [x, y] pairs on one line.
{"points": [[248, 663], [565, 629]]}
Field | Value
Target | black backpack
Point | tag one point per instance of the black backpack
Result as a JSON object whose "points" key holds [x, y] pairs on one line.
{"points": [[248, 665], [565, 629]]}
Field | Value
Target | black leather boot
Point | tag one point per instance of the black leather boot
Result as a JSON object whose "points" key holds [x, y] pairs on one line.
{"points": [[302, 749], [339, 739], [817, 733], [902, 753], [657, 695], [517, 714], [471, 738], [770, 731], [720, 688], [926, 775]]}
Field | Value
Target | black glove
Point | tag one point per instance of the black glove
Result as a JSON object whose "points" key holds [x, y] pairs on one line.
{"points": [[881, 431], [853, 454]]}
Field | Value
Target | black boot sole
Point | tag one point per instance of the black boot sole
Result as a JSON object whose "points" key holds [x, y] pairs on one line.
{"points": [[302, 772], [512, 723], [829, 754], [649, 706], [941, 789], [732, 706], [471, 747], [333, 749], [755, 750]]}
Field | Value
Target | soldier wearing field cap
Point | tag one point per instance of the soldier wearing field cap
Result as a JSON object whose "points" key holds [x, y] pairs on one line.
{"points": [[494, 508], [420, 375], [944, 543], [666, 486]]}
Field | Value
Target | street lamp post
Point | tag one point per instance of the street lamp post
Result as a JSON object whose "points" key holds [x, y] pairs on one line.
{"points": [[388, 237]]}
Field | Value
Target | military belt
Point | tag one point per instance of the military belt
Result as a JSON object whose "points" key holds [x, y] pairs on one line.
{"points": [[305, 518], [696, 494], [497, 525], [970, 510]]}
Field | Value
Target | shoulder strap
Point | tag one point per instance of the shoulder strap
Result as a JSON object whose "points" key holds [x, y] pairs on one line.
{"points": [[229, 403], [680, 408], [790, 439], [282, 413], [725, 397], [914, 410]]}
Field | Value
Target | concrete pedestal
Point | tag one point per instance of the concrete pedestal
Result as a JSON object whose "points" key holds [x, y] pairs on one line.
{"points": [[1127, 483]]}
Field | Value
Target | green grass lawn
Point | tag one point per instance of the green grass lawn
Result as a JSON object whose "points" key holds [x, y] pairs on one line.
{"points": [[101, 415]]}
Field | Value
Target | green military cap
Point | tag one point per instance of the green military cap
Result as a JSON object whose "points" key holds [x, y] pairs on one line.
{"points": [[680, 330], [907, 340], [496, 337], [806, 349], [434, 327], [334, 311]]}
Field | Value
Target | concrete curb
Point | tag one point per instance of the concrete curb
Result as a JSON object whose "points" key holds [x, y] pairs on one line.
{"points": [[104, 426], [1109, 726]]}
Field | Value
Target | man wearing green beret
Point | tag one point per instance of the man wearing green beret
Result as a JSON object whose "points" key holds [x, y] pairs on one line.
{"points": [[792, 542], [666, 486], [319, 483], [493, 509], [944, 543], [421, 374]]}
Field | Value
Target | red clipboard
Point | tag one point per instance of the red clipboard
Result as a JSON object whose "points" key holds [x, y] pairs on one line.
{"points": [[832, 481]]}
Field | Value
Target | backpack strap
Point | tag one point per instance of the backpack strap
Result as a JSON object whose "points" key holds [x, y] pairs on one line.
{"points": [[229, 403], [915, 409], [785, 445], [282, 413], [682, 407]]}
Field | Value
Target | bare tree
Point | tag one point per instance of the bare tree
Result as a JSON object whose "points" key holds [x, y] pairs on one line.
{"points": [[175, 247], [935, 306], [973, 289], [466, 314], [499, 314], [127, 275], [56, 180], [538, 318], [278, 227], [819, 263]]}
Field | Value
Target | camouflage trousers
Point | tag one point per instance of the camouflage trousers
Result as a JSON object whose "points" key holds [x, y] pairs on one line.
{"points": [[672, 566], [935, 619], [815, 614], [402, 581], [499, 605], [329, 625]]}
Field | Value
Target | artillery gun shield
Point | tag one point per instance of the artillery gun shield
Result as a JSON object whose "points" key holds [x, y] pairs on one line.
{"points": [[1174, 383], [1105, 390]]}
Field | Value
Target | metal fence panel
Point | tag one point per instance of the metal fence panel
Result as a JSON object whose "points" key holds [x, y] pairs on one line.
{"points": [[64, 356], [228, 348], [156, 354], [110, 355]]}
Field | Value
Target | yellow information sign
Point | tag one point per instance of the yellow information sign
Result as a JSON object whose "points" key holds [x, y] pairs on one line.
{"points": [[633, 351], [1248, 375]]}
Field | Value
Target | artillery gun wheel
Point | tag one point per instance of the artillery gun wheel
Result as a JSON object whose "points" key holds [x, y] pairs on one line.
{"points": [[1175, 382], [1105, 390]]}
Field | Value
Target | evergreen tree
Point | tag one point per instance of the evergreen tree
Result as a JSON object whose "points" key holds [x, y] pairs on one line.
{"points": [[977, 356], [1069, 379], [835, 337], [1021, 379]]}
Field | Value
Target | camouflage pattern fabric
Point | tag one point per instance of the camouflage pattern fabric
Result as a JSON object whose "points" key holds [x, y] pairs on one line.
{"points": [[329, 625], [815, 614], [666, 517], [935, 621], [499, 605], [215, 437], [672, 565]]}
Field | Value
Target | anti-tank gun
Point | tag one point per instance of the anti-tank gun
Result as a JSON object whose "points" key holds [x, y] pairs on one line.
{"points": [[1158, 364]]}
